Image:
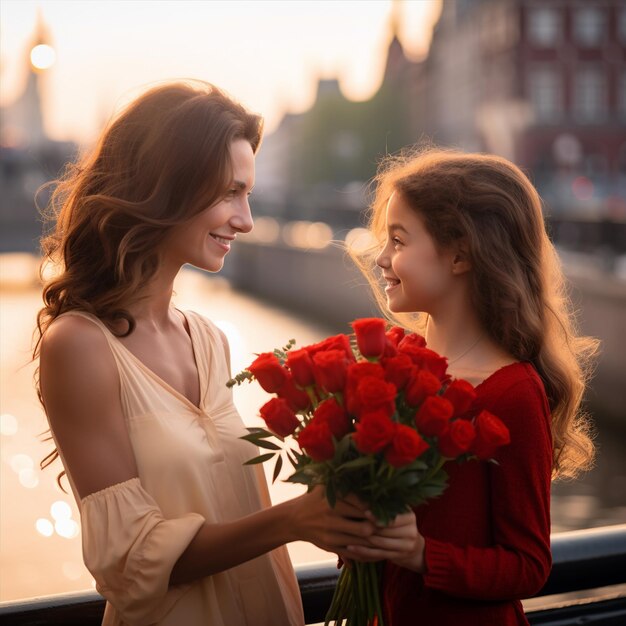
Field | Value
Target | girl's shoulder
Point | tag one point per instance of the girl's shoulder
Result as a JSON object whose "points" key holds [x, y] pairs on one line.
{"points": [[74, 335], [516, 386]]}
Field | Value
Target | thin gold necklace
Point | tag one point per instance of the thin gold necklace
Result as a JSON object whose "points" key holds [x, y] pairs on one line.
{"points": [[450, 362]]}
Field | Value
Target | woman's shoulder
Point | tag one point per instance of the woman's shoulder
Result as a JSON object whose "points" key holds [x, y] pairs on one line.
{"points": [[74, 338]]}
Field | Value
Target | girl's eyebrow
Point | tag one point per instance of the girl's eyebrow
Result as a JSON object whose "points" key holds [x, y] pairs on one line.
{"points": [[398, 227]]}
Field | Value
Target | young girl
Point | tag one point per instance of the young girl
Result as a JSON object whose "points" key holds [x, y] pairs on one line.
{"points": [[464, 244], [175, 529]]}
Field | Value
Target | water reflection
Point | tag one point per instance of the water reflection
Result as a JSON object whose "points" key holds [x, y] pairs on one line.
{"points": [[39, 531]]}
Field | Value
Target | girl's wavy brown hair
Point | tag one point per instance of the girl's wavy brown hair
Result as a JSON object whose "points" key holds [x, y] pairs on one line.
{"points": [[517, 285], [162, 160]]}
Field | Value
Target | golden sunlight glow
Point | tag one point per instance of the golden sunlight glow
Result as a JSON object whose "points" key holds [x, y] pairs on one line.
{"points": [[8, 424], [60, 510], [44, 527], [43, 56], [359, 239]]}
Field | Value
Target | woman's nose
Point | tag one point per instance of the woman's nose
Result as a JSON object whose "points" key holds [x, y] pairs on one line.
{"points": [[382, 260], [242, 220]]}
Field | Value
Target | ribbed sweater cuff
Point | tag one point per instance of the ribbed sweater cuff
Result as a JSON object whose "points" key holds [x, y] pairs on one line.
{"points": [[438, 564]]}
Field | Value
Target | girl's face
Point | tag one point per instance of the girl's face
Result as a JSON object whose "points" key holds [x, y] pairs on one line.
{"points": [[419, 276], [205, 239]]}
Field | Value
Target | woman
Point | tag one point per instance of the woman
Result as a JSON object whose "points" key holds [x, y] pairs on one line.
{"points": [[175, 529]]}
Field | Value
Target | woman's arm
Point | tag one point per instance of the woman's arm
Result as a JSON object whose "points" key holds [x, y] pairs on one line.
{"points": [[81, 391]]}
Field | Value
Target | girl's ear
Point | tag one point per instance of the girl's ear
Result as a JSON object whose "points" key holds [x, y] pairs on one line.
{"points": [[460, 260]]}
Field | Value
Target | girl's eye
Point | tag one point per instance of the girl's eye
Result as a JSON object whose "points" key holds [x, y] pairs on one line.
{"points": [[396, 241]]}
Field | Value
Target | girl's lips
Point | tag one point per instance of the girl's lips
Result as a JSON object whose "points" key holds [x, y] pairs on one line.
{"points": [[392, 283]]}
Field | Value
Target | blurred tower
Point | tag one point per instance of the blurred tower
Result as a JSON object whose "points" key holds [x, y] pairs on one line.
{"points": [[21, 123]]}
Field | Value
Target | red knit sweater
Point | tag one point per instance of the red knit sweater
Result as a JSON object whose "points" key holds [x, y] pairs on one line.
{"points": [[488, 536]]}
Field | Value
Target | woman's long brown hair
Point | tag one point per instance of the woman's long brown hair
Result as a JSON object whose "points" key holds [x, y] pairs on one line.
{"points": [[518, 288], [162, 160]]}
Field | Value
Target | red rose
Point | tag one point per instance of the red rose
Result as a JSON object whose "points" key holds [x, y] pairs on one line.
{"points": [[461, 394], [301, 366], [279, 418], [297, 399], [434, 416], [398, 370], [331, 412], [266, 368], [426, 359], [336, 342], [405, 446], [491, 433], [390, 349], [373, 394], [330, 369], [370, 336], [412, 340], [395, 334], [316, 439], [373, 432], [457, 439], [420, 387], [357, 371]]}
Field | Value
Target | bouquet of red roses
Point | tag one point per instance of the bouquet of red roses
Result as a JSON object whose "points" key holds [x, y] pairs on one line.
{"points": [[374, 414]]}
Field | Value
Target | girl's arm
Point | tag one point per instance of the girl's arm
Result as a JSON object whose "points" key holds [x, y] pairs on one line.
{"points": [[518, 563]]}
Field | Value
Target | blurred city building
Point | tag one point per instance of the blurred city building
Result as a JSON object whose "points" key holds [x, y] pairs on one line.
{"points": [[28, 157], [541, 83]]}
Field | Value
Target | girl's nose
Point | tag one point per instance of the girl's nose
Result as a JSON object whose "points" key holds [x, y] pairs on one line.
{"points": [[382, 260]]}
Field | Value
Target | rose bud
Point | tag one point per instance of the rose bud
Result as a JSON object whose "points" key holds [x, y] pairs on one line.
{"points": [[370, 336], [461, 394], [412, 340], [337, 342], [373, 393], [390, 349], [297, 399], [405, 446], [491, 433], [398, 370], [330, 369], [279, 418], [457, 439], [373, 433], [421, 386], [316, 440], [301, 366], [434, 415], [331, 412], [266, 368], [395, 334]]}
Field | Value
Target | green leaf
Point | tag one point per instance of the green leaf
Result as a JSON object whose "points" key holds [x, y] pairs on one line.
{"points": [[362, 461], [267, 444], [277, 467], [260, 459]]}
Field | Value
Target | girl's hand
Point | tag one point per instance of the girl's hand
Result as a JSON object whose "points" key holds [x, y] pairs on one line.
{"points": [[331, 529], [400, 542]]}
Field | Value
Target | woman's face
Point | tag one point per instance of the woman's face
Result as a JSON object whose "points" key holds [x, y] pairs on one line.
{"points": [[419, 276], [205, 239]]}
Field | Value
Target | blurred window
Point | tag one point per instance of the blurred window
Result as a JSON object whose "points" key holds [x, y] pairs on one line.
{"points": [[546, 93], [544, 26], [590, 101], [589, 26]]}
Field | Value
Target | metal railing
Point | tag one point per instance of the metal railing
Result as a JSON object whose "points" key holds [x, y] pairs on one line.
{"points": [[582, 560]]}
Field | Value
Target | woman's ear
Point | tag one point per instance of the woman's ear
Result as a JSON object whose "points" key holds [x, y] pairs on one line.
{"points": [[460, 260]]}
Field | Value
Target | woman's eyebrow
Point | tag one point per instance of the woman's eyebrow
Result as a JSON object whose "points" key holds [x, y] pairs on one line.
{"points": [[398, 227]]}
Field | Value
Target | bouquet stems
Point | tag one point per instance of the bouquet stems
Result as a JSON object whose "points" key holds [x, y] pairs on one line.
{"points": [[356, 601]]}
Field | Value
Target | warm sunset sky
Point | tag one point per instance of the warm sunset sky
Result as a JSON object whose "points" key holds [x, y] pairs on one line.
{"points": [[268, 54]]}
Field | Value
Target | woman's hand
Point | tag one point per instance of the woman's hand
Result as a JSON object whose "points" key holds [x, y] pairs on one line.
{"points": [[400, 542], [331, 529]]}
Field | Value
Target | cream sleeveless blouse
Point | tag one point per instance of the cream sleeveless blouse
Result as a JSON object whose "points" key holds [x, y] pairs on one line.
{"points": [[190, 465]]}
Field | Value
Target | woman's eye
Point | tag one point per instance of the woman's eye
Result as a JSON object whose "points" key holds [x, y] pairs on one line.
{"points": [[395, 241]]}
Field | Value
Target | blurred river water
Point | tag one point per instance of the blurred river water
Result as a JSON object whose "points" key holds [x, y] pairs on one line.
{"points": [[39, 525]]}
